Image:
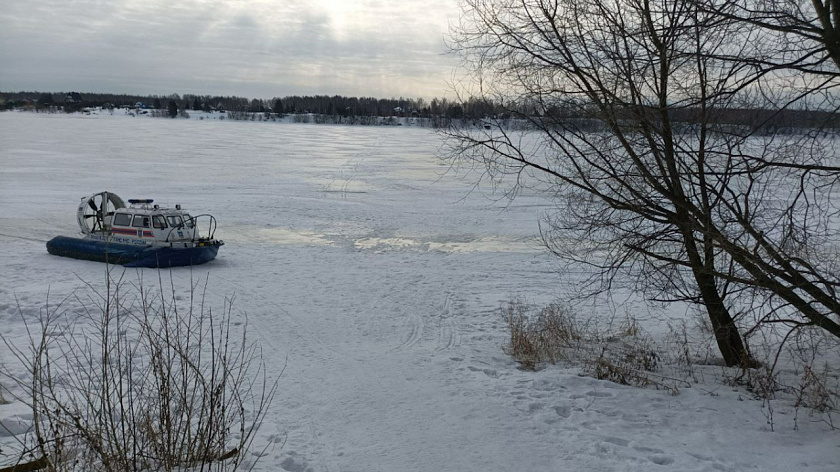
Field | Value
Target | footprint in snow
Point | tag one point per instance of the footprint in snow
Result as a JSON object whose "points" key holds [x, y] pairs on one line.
{"points": [[290, 464], [652, 450], [617, 441], [563, 411], [488, 372], [532, 407], [661, 460]]}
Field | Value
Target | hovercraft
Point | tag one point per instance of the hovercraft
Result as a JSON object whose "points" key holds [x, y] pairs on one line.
{"points": [[141, 234]]}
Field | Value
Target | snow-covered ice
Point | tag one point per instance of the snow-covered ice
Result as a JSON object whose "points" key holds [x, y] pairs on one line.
{"points": [[372, 275]]}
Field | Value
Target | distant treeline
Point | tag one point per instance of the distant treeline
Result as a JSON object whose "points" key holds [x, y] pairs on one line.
{"points": [[318, 104], [441, 111], [761, 120]]}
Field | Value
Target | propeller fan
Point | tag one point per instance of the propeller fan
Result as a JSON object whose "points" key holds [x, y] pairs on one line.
{"points": [[96, 214], [93, 210]]}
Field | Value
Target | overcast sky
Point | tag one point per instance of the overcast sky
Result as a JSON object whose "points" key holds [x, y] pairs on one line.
{"points": [[252, 48]]}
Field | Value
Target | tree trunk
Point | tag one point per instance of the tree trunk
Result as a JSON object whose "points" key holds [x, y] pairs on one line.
{"points": [[726, 333], [723, 326]]}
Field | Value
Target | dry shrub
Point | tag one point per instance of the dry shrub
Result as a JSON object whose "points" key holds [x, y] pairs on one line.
{"points": [[623, 354], [541, 339], [816, 385], [791, 374], [814, 391], [621, 372], [627, 357], [138, 382], [762, 381], [629, 328]]}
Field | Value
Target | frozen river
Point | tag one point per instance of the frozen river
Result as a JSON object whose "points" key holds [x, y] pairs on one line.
{"points": [[372, 273]]}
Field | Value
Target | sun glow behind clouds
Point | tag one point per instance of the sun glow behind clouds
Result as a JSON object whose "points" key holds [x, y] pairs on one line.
{"points": [[257, 48], [343, 15]]}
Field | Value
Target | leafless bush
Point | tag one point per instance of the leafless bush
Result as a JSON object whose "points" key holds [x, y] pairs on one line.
{"points": [[817, 385], [627, 356], [814, 391], [688, 351], [541, 339], [625, 364], [798, 369], [137, 382], [762, 381], [622, 353]]}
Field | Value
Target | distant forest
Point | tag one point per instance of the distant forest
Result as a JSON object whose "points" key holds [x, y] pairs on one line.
{"points": [[317, 104], [441, 111]]}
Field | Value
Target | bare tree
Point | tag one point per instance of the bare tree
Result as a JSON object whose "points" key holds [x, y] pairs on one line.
{"points": [[805, 32], [640, 137]]}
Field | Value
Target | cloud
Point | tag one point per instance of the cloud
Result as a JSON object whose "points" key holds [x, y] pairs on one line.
{"points": [[244, 21], [255, 48]]}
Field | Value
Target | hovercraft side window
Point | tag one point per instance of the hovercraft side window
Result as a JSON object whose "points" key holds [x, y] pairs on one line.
{"points": [[141, 221], [121, 219], [175, 221], [189, 220], [158, 222]]}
